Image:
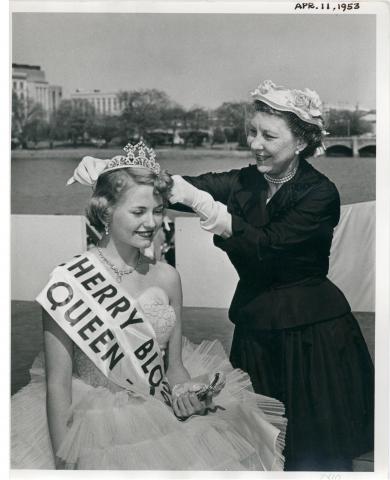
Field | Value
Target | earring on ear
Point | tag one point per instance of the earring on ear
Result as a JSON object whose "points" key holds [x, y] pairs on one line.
{"points": [[106, 229], [297, 151]]}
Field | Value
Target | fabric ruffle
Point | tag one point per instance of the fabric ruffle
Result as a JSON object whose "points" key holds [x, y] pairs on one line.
{"points": [[117, 431]]}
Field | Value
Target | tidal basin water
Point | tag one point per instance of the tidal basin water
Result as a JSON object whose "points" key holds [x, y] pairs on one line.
{"points": [[38, 178]]}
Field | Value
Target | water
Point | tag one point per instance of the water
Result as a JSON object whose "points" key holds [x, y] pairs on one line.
{"points": [[38, 178]]}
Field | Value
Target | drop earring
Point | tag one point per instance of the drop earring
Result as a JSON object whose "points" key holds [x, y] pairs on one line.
{"points": [[106, 229]]}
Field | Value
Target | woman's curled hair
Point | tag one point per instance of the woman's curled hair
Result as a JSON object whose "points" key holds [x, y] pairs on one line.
{"points": [[110, 187]]}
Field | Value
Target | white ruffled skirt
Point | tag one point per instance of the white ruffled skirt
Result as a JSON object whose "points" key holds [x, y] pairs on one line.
{"points": [[118, 431]]}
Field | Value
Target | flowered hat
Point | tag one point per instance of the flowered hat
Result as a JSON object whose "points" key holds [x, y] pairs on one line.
{"points": [[306, 104]]}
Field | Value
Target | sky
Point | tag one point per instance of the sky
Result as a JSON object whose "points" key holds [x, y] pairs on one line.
{"points": [[201, 59]]}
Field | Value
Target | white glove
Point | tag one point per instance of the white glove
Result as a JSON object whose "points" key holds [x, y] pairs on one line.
{"points": [[88, 170], [182, 191], [218, 220], [214, 216]]}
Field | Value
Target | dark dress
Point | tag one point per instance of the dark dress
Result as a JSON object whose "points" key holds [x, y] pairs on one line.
{"points": [[294, 331]]}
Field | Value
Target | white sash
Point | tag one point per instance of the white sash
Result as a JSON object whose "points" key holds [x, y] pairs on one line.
{"points": [[105, 324]]}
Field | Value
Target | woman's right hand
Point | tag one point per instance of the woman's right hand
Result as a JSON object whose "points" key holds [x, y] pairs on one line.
{"points": [[183, 192]]}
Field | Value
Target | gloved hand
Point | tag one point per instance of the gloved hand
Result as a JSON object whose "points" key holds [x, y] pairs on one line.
{"points": [[182, 191], [213, 215], [88, 170]]}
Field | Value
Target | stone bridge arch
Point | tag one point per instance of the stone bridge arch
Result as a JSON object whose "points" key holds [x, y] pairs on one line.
{"points": [[337, 150], [367, 151], [351, 146]]}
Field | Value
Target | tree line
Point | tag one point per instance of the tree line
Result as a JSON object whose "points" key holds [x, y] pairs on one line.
{"points": [[150, 114]]}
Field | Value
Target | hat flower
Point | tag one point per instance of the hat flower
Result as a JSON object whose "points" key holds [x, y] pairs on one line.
{"points": [[266, 86], [301, 100], [315, 104]]}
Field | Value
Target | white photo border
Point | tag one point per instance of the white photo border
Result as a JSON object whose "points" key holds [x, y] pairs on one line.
{"points": [[382, 11]]}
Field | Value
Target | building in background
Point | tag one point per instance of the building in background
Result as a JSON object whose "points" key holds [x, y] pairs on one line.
{"points": [[345, 106], [19, 83], [29, 83], [105, 103], [55, 97], [370, 118]]}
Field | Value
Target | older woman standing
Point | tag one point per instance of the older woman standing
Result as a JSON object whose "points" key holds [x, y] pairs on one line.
{"points": [[294, 331]]}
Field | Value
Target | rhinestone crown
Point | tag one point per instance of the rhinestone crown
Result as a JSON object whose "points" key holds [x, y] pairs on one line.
{"points": [[138, 155]]}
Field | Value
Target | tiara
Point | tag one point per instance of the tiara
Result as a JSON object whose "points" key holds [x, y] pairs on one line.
{"points": [[138, 155]]}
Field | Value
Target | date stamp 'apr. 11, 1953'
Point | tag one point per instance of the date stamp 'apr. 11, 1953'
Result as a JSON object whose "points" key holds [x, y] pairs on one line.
{"points": [[331, 7]]}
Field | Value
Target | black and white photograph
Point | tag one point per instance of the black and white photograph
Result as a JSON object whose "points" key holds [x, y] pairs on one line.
{"points": [[199, 238]]}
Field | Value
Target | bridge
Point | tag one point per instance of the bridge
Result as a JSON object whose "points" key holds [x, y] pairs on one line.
{"points": [[351, 146]]}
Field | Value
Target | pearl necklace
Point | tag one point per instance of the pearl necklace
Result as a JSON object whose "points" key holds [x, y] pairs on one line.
{"points": [[118, 272], [285, 179]]}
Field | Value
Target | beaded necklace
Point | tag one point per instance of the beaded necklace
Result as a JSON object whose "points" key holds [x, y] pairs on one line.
{"points": [[285, 179]]}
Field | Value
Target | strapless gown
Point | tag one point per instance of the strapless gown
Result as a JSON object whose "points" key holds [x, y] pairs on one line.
{"points": [[108, 428]]}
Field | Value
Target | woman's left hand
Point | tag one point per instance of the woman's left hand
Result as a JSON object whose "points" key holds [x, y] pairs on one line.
{"points": [[188, 404]]}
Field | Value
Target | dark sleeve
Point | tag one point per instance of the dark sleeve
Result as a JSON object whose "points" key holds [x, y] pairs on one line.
{"points": [[314, 216], [218, 185]]}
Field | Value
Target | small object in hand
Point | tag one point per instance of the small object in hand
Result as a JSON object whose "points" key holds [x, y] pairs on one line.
{"points": [[214, 387], [202, 390]]}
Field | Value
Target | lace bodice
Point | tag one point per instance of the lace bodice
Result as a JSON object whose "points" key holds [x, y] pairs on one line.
{"points": [[161, 317]]}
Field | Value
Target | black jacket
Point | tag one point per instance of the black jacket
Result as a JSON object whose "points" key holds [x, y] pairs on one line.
{"points": [[281, 249]]}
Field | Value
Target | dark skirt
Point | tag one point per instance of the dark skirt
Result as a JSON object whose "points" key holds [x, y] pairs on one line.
{"points": [[324, 375]]}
